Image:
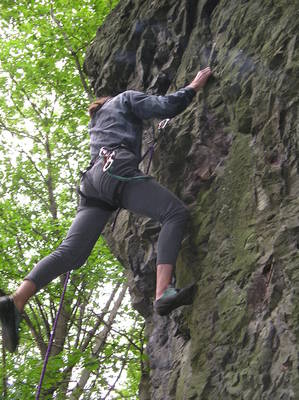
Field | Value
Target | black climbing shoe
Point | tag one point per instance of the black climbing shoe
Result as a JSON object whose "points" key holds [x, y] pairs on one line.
{"points": [[10, 319], [174, 298]]}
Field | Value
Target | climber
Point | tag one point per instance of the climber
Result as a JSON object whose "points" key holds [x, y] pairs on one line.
{"points": [[116, 125]]}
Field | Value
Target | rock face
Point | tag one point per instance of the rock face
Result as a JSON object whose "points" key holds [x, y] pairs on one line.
{"points": [[232, 157]]}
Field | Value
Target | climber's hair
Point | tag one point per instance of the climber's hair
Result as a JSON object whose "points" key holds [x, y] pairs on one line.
{"points": [[97, 104]]}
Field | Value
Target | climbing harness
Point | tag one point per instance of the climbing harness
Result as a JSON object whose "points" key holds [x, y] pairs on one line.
{"points": [[109, 157]]}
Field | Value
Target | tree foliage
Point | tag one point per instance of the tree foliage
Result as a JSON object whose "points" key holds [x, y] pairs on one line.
{"points": [[98, 348]]}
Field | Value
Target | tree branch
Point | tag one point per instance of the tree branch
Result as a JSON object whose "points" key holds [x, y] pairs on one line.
{"points": [[37, 336], [37, 111], [92, 332], [18, 133], [112, 387], [49, 181], [34, 164], [73, 54], [121, 333], [44, 317], [99, 344], [4, 373], [40, 197]]}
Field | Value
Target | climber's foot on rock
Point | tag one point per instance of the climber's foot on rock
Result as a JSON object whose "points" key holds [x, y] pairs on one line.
{"points": [[10, 319], [173, 298]]}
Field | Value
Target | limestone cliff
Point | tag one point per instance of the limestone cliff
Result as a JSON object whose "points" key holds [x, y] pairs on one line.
{"points": [[232, 157]]}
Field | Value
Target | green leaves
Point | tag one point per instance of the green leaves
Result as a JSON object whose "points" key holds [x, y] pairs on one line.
{"points": [[43, 145]]}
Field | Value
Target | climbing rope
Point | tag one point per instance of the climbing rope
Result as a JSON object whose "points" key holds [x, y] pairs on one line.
{"points": [[38, 392]]}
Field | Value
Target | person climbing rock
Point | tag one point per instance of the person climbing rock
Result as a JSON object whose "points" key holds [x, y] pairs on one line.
{"points": [[114, 180]]}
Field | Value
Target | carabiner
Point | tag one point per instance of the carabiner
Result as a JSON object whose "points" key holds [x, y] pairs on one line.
{"points": [[108, 164], [103, 152], [163, 123], [108, 157]]}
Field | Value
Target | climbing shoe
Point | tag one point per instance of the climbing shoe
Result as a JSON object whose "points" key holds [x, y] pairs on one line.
{"points": [[10, 319], [173, 298]]}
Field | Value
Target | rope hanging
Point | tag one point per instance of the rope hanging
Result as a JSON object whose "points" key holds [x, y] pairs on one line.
{"points": [[38, 392]]}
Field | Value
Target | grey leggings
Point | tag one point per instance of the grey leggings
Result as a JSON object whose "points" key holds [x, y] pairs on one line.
{"points": [[144, 197]]}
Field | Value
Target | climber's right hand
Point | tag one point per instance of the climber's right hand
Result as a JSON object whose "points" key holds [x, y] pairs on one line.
{"points": [[201, 78]]}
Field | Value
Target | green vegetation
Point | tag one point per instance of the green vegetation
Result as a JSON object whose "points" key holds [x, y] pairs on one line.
{"points": [[98, 350]]}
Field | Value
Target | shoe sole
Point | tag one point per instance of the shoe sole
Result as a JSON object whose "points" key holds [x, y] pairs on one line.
{"points": [[8, 319]]}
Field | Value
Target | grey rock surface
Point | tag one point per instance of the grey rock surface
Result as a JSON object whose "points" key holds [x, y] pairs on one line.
{"points": [[232, 157]]}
